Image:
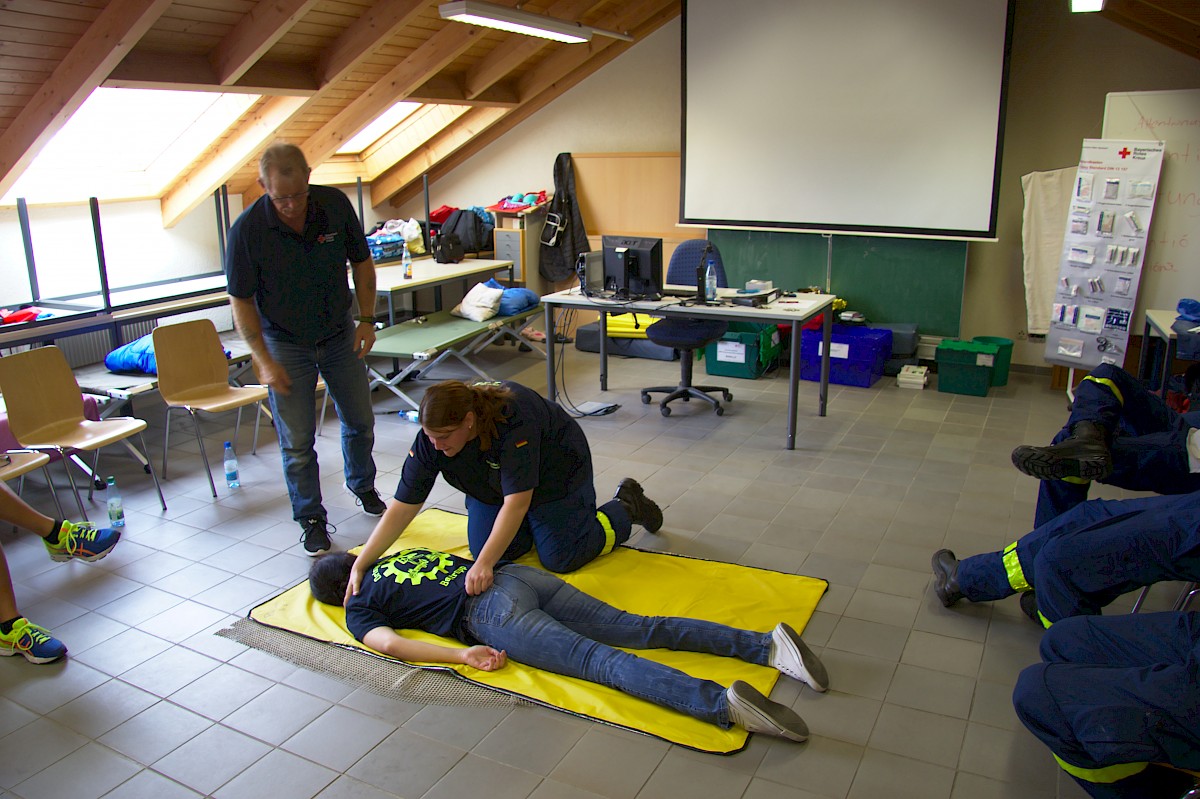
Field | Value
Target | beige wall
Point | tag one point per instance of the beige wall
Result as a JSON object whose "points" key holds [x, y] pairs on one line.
{"points": [[1063, 64]]}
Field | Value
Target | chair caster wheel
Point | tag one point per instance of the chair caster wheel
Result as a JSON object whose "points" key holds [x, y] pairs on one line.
{"points": [[645, 399], [720, 411], [728, 396], [665, 411]]}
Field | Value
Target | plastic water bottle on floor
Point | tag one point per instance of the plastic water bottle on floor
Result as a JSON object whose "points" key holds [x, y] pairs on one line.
{"points": [[411, 416], [116, 511], [231, 467]]}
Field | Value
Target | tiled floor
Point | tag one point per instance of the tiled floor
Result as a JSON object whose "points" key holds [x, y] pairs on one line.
{"points": [[152, 703]]}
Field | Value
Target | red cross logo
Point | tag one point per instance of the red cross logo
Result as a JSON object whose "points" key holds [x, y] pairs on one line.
{"points": [[1124, 152]]}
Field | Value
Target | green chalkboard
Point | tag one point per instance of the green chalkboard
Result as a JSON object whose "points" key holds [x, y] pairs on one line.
{"points": [[888, 279]]}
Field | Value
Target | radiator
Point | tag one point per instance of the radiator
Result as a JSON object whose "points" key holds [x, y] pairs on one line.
{"points": [[89, 348]]}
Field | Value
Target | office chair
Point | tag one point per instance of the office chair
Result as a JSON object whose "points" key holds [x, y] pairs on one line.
{"points": [[45, 412], [688, 335], [193, 376]]}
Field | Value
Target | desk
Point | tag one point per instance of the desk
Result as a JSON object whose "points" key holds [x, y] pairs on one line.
{"points": [[1158, 325], [794, 310], [428, 273]]}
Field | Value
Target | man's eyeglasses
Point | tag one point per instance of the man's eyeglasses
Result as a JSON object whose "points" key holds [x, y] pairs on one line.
{"points": [[289, 198]]}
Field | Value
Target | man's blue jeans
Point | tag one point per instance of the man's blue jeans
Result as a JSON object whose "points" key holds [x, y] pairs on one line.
{"points": [[541, 621], [296, 417]]}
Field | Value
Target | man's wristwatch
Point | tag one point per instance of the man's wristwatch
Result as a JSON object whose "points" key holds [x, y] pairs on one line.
{"points": [[370, 320]]}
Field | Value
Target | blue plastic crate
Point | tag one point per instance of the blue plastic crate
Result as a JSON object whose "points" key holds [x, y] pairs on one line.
{"points": [[856, 355]]}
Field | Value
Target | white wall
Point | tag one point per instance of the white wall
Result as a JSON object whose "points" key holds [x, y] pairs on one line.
{"points": [[630, 105], [136, 247]]}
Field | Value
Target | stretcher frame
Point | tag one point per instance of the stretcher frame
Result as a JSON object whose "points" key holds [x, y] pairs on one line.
{"points": [[429, 340]]}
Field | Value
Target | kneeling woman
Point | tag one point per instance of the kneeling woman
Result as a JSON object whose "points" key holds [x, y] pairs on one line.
{"points": [[526, 469], [545, 623]]}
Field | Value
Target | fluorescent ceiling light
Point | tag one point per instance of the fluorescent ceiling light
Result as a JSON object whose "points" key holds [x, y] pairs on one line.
{"points": [[514, 20], [1087, 5]]}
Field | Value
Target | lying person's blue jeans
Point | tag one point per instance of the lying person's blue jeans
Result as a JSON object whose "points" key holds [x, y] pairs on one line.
{"points": [[543, 622]]}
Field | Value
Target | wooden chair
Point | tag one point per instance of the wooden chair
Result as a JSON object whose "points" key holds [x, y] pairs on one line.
{"points": [[45, 412], [16, 463], [193, 376]]}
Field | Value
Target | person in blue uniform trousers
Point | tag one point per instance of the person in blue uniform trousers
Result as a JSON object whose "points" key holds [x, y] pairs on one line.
{"points": [[541, 621], [1084, 559], [1114, 698], [1120, 434], [286, 271], [526, 469]]}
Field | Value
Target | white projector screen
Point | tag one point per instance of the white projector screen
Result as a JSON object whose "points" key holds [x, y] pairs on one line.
{"points": [[864, 116]]}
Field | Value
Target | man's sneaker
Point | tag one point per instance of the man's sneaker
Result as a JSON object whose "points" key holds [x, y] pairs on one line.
{"points": [[82, 541], [1082, 456], [316, 536], [641, 509], [945, 577], [752, 711], [792, 656], [32, 641], [369, 501]]}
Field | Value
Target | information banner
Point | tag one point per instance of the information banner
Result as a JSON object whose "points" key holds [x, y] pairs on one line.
{"points": [[1108, 225]]}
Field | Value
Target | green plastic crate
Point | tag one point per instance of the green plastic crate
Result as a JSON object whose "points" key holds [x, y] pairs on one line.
{"points": [[965, 367], [756, 346]]}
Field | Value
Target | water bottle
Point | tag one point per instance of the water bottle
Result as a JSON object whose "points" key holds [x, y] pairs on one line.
{"points": [[710, 281], [411, 416], [231, 470], [406, 260], [116, 511]]}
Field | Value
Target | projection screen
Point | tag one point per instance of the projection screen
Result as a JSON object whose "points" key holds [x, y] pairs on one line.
{"points": [[865, 116]]}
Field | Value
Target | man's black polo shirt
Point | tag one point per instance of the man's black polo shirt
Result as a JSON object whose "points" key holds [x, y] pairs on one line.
{"points": [[297, 281]]}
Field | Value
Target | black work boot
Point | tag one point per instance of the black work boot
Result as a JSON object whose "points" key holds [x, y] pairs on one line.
{"points": [[945, 577], [641, 509], [1082, 456], [1029, 607]]}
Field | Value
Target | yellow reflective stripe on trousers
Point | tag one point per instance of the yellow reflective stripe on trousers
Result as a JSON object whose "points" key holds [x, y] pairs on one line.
{"points": [[1102, 775], [610, 538], [1079, 481], [1045, 622], [1012, 567], [1111, 387]]}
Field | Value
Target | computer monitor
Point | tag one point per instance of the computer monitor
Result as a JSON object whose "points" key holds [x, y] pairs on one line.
{"points": [[633, 267]]}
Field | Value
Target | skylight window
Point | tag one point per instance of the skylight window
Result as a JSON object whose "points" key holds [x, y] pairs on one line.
{"points": [[376, 130], [125, 144]]}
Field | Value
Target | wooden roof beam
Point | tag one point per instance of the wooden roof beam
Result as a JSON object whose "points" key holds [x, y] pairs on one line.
{"points": [[476, 130], [365, 35], [434, 53], [114, 33], [145, 70], [255, 133], [254, 35]]}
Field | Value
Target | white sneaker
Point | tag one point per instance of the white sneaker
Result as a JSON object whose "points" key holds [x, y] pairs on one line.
{"points": [[792, 656], [749, 709]]}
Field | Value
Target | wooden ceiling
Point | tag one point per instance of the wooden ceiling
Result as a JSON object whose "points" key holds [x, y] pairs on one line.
{"points": [[325, 68]]}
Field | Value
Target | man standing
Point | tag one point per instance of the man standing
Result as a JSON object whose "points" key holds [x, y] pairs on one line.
{"points": [[286, 269]]}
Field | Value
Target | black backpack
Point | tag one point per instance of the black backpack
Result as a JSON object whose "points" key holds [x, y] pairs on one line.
{"points": [[447, 248], [473, 232]]}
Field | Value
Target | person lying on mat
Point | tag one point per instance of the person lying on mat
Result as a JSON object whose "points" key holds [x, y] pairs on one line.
{"points": [[543, 622], [526, 469]]}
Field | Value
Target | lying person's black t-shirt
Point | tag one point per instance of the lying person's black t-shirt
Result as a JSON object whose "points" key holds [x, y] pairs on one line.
{"points": [[414, 589]]}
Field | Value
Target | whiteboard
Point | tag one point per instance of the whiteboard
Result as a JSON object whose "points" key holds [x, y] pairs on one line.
{"points": [[867, 116], [1171, 268]]}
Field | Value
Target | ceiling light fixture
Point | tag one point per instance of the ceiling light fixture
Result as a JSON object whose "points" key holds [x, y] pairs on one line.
{"points": [[514, 20], [1087, 5]]}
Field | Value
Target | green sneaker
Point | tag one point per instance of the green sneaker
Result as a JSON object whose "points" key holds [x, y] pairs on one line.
{"points": [[82, 541], [34, 642]]}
